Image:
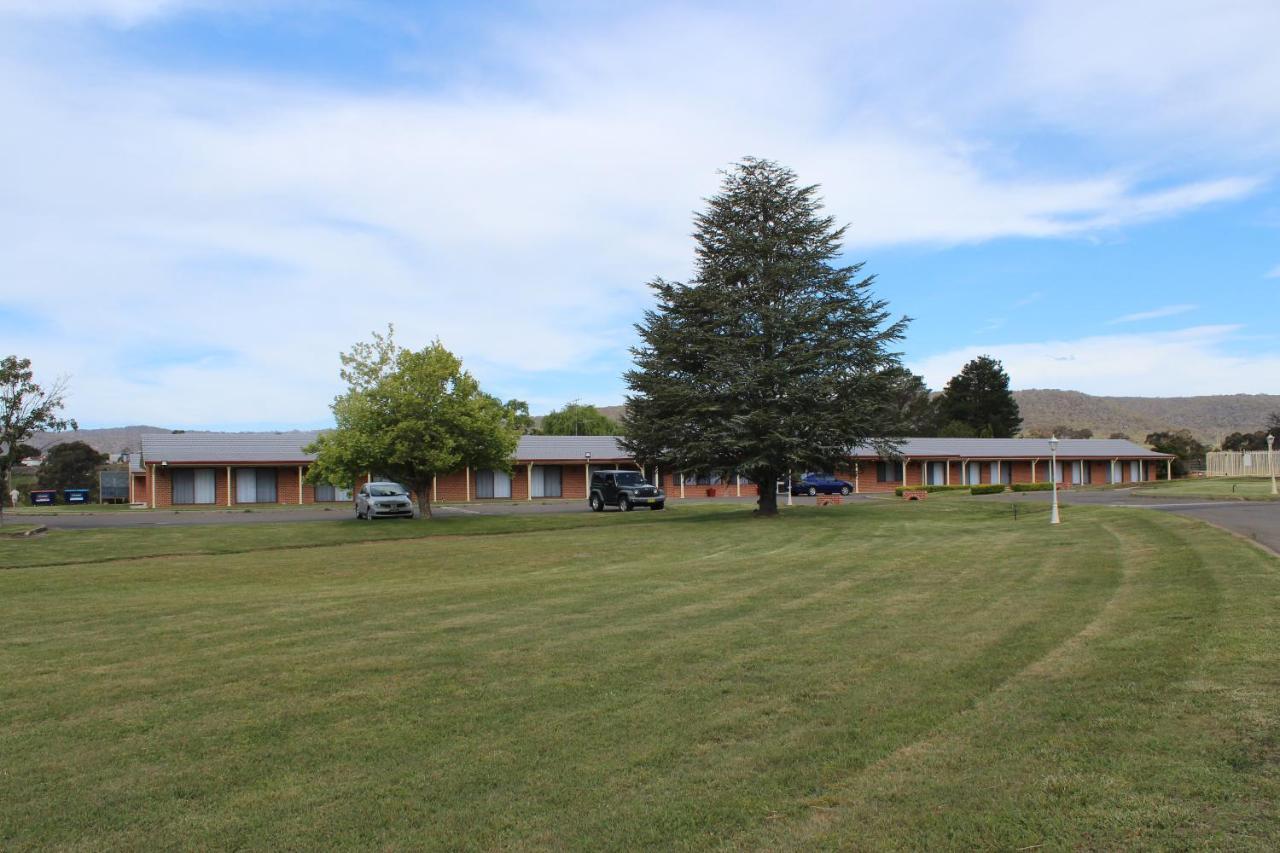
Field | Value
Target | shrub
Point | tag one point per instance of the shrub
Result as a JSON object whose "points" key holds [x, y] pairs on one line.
{"points": [[988, 489], [1032, 487]]}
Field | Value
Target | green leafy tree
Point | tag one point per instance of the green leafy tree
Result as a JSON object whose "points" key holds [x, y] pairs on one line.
{"points": [[411, 415], [772, 358], [73, 465], [521, 420], [25, 408], [1273, 425], [979, 396], [911, 410], [1246, 441], [1181, 443], [579, 419]]}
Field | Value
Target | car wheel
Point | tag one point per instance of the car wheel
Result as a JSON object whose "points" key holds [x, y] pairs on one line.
{"points": [[359, 514], [624, 503], [844, 490], [812, 491], [597, 505]]}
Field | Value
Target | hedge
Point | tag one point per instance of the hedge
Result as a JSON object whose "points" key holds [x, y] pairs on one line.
{"points": [[988, 489], [1032, 487]]}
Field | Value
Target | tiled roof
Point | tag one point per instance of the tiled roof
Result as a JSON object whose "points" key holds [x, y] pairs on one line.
{"points": [[1018, 448], [286, 448], [229, 447], [569, 448]]}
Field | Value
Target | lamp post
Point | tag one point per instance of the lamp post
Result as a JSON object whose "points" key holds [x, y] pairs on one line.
{"points": [[1271, 461], [1053, 475]]}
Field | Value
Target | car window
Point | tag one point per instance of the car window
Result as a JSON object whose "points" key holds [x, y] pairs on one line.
{"points": [[629, 478], [386, 491]]}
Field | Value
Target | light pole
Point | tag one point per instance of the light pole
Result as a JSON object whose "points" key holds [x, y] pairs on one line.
{"points": [[788, 488], [1271, 461], [1053, 475]]}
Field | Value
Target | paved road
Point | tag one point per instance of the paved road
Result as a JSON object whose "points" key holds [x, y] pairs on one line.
{"points": [[1256, 520]]}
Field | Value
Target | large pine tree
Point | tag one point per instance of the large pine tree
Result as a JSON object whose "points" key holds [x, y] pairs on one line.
{"points": [[774, 357], [978, 401]]}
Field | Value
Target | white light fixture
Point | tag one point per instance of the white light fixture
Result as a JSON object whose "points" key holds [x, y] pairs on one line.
{"points": [[1271, 461], [1053, 475]]}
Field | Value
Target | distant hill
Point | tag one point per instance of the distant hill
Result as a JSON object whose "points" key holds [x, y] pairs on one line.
{"points": [[115, 440], [1208, 418]]}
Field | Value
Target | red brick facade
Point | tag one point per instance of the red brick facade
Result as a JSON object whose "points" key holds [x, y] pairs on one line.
{"points": [[460, 486]]}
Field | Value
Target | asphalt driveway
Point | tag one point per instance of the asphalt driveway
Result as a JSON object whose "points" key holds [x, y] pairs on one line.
{"points": [[1256, 520]]}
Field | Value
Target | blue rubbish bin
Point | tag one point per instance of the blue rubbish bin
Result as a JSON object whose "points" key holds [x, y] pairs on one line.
{"points": [[75, 496], [43, 497]]}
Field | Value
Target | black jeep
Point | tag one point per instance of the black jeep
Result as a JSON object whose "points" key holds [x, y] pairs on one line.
{"points": [[624, 489]]}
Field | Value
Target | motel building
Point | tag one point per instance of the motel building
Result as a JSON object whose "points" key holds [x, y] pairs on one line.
{"points": [[236, 469]]}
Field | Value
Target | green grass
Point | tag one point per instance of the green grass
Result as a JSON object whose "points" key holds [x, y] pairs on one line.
{"points": [[1237, 488], [840, 677], [15, 528]]}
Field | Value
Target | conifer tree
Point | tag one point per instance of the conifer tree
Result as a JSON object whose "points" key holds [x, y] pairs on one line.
{"points": [[979, 397], [774, 357]]}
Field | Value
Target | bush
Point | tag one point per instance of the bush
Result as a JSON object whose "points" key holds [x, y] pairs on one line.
{"points": [[988, 489], [1031, 487]]}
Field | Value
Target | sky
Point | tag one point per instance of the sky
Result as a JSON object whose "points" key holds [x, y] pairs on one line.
{"points": [[203, 203]]}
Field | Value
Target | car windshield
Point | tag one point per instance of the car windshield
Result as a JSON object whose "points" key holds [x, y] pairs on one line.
{"points": [[386, 491], [629, 478]]}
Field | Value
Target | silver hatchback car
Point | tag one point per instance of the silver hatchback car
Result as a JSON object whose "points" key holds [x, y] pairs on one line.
{"points": [[383, 500]]}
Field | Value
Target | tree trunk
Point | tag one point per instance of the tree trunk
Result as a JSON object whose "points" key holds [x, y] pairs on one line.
{"points": [[423, 490], [767, 505]]}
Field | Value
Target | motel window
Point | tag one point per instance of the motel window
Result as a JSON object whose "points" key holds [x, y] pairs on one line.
{"points": [[546, 481], [493, 484], [256, 486], [194, 486], [329, 493], [888, 472]]}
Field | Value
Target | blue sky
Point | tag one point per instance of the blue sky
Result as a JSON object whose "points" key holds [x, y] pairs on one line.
{"points": [[205, 202]]}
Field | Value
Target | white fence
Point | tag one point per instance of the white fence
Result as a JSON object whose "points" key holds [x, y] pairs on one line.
{"points": [[1248, 463]]}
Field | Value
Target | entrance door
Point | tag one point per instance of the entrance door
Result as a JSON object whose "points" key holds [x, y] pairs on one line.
{"points": [[246, 485], [205, 490], [975, 474], [546, 481]]}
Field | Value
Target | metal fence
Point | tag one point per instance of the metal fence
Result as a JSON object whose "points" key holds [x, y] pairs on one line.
{"points": [[1246, 463]]}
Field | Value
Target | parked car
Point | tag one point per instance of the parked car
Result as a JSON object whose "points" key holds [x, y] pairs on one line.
{"points": [[624, 489], [383, 500], [820, 484]]}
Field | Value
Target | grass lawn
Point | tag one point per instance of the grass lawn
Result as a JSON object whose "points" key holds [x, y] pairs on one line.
{"points": [[1227, 488], [874, 675]]}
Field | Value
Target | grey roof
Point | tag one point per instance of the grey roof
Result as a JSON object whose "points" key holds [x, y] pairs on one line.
{"points": [[286, 447], [229, 447], [569, 448], [1018, 448]]}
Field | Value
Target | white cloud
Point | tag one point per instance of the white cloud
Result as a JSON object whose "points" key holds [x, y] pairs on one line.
{"points": [[272, 223], [119, 12], [1153, 314], [1192, 361]]}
